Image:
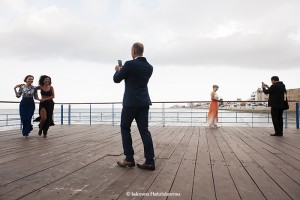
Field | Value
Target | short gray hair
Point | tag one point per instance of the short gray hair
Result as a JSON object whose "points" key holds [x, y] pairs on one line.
{"points": [[138, 47]]}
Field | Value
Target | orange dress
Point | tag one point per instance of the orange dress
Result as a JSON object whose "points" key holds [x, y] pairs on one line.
{"points": [[212, 117]]}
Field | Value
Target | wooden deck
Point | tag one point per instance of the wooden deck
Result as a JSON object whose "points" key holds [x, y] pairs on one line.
{"points": [[79, 162]]}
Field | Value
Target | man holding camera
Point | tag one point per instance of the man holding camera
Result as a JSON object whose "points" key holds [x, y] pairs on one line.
{"points": [[276, 102], [136, 101]]}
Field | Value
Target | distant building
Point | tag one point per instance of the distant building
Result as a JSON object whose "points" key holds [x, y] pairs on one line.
{"points": [[259, 95], [253, 96], [293, 95]]}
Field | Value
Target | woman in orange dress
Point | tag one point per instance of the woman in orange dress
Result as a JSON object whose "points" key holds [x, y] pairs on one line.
{"points": [[212, 117]]}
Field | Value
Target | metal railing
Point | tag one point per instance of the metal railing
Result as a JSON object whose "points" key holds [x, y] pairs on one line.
{"points": [[191, 113]]}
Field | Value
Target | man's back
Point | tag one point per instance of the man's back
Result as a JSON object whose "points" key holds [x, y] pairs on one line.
{"points": [[276, 95], [136, 74]]}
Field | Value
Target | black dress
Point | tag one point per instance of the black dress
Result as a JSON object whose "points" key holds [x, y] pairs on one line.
{"points": [[48, 105]]}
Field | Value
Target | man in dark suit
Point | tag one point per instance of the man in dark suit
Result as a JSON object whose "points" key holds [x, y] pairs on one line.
{"points": [[136, 101], [276, 102]]}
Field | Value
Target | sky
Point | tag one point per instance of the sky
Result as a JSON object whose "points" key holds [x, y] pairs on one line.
{"points": [[192, 44]]}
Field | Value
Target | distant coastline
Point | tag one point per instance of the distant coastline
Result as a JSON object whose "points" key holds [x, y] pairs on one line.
{"points": [[248, 110], [233, 108]]}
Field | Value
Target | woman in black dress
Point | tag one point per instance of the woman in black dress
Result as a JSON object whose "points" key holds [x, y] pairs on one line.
{"points": [[46, 105]]}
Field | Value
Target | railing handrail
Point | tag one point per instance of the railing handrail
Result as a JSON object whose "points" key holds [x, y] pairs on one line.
{"points": [[248, 106], [154, 102]]}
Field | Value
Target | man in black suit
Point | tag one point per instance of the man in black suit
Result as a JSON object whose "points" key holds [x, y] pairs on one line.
{"points": [[276, 102], [136, 101]]}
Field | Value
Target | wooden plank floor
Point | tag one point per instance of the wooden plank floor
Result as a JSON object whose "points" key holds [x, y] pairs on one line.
{"points": [[79, 162]]}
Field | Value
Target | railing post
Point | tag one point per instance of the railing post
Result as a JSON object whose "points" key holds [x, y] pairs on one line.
{"points": [[90, 114], [191, 105], [6, 119], [297, 115], [285, 119], [69, 115], [113, 114], [61, 114], [163, 113], [252, 120]]}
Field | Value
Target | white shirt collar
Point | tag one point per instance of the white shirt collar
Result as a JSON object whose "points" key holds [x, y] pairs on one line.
{"points": [[138, 57]]}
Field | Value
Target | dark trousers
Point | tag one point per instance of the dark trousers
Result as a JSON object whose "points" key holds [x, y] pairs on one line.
{"points": [[277, 119], [26, 108], [140, 114]]}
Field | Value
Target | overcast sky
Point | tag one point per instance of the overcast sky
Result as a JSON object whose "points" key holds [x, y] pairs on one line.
{"points": [[192, 45]]}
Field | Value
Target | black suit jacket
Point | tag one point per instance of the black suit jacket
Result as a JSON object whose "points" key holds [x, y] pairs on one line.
{"points": [[136, 74], [276, 95]]}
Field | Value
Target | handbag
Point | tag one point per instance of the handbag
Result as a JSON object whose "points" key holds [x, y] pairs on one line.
{"points": [[285, 103]]}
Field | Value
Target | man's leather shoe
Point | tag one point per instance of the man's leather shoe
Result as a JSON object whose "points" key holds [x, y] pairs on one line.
{"points": [[276, 134], [126, 163], [146, 166]]}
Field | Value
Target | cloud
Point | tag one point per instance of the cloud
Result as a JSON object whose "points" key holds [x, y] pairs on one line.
{"points": [[11, 8], [255, 50], [260, 34], [53, 32]]}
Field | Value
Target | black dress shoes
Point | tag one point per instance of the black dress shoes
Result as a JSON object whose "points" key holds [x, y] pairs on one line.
{"points": [[276, 134], [146, 166], [126, 163]]}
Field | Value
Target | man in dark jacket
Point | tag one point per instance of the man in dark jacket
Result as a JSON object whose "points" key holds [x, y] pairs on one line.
{"points": [[276, 102], [136, 102]]}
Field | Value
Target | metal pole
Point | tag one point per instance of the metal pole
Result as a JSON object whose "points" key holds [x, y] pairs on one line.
{"points": [[252, 120], [163, 112], [285, 120], [113, 114], [297, 115], [69, 115], [191, 105], [61, 114], [90, 114]]}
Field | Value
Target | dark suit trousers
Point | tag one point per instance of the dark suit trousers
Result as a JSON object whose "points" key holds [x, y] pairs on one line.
{"points": [[140, 114], [277, 119]]}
